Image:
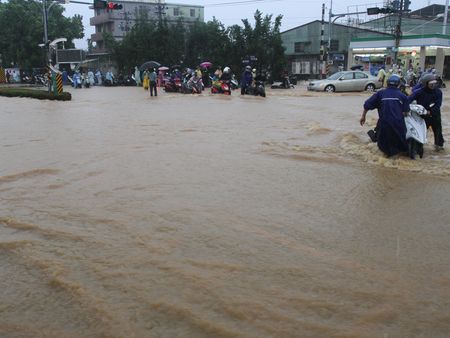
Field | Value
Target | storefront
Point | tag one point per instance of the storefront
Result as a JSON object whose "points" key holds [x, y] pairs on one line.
{"points": [[424, 51]]}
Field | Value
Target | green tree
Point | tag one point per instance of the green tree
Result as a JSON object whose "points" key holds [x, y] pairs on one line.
{"points": [[21, 27], [211, 41]]}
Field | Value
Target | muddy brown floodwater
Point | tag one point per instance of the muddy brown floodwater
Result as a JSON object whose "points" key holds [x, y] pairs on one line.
{"points": [[214, 216]]}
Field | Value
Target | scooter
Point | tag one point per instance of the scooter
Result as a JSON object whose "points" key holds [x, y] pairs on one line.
{"points": [[285, 84], [416, 130], [234, 84], [221, 87], [173, 86], [192, 87], [257, 89]]}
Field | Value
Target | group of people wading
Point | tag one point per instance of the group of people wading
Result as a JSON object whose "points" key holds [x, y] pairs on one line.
{"points": [[393, 106]]}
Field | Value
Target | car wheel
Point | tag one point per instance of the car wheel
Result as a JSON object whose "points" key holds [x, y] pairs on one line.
{"points": [[330, 89], [370, 87]]}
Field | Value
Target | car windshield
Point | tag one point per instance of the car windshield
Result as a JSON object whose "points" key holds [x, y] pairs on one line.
{"points": [[335, 76]]}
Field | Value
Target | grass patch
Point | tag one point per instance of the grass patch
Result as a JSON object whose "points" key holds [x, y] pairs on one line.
{"points": [[35, 94]]}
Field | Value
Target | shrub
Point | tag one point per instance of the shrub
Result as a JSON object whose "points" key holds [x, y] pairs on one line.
{"points": [[35, 94]]}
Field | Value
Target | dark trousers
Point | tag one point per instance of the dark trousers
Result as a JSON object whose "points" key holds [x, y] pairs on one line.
{"points": [[436, 125], [153, 88]]}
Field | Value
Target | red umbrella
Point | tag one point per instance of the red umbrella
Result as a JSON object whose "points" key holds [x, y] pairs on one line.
{"points": [[206, 64]]}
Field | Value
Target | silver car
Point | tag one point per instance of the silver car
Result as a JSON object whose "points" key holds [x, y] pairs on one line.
{"points": [[348, 81]]}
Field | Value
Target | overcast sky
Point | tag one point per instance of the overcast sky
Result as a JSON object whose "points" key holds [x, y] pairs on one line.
{"points": [[230, 12]]}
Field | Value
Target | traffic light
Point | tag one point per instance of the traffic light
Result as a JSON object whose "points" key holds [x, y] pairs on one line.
{"points": [[100, 4], [373, 11], [113, 5], [377, 10], [406, 5]]}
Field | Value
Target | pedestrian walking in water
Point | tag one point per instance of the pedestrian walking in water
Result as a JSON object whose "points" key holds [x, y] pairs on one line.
{"points": [[152, 78], [392, 107], [137, 76], [430, 98]]}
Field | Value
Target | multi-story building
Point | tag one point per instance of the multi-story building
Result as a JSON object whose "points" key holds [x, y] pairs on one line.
{"points": [[303, 47], [423, 43], [119, 22]]}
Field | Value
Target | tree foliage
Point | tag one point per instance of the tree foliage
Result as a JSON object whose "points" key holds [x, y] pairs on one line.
{"points": [[22, 30], [210, 41]]}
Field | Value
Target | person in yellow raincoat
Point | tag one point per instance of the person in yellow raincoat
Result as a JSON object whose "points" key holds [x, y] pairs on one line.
{"points": [[146, 81]]}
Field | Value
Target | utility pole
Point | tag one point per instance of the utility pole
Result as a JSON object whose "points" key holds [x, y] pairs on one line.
{"points": [[398, 31], [45, 11], [160, 11], [444, 27], [330, 15], [322, 41]]}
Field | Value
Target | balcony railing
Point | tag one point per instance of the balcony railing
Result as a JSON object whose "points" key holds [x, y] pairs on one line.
{"points": [[97, 37]]}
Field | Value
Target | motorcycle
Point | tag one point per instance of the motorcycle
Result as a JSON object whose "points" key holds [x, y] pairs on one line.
{"points": [[192, 87], [257, 89], [77, 81], [129, 81], [221, 87], [285, 84], [173, 86], [27, 79], [41, 79], [416, 130]]}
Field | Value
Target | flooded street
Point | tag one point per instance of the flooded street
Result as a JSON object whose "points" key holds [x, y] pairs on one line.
{"points": [[128, 216]]}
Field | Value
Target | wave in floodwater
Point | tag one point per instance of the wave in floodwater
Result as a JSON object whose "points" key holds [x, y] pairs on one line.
{"points": [[349, 147]]}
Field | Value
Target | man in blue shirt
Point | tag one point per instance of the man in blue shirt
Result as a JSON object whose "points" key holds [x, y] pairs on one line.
{"points": [[152, 78], [392, 107]]}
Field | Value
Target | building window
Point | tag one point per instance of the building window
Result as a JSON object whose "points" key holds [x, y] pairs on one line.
{"points": [[301, 47], [334, 45], [192, 12], [176, 11]]}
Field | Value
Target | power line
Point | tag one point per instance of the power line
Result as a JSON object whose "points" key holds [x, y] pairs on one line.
{"points": [[242, 2]]}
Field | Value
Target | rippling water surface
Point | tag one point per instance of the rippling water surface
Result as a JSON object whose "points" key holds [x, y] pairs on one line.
{"points": [[213, 216]]}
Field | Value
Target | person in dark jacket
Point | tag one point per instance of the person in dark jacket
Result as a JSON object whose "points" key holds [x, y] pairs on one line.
{"points": [[246, 79], [392, 107], [431, 98], [226, 75]]}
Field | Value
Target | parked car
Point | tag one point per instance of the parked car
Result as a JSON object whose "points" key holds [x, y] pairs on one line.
{"points": [[347, 81]]}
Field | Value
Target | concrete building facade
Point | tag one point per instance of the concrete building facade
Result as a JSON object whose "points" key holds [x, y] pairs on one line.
{"points": [[424, 43], [119, 22], [303, 50]]}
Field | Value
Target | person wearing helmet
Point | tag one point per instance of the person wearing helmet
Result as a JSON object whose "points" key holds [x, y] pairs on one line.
{"points": [[226, 75], [430, 97], [246, 79], [392, 107]]}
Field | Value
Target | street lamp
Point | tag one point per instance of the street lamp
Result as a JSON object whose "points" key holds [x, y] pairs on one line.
{"points": [[45, 11]]}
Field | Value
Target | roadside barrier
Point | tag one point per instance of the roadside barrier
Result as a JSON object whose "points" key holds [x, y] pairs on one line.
{"points": [[2, 75], [57, 84]]}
